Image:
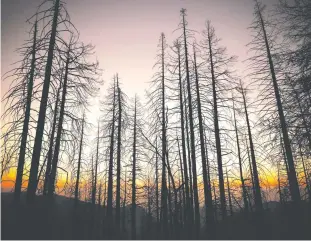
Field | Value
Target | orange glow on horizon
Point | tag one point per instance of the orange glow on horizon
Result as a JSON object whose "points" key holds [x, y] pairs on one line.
{"points": [[8, 180]]}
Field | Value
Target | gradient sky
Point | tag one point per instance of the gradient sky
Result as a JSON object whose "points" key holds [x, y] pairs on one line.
{"points": [[126, 32]]}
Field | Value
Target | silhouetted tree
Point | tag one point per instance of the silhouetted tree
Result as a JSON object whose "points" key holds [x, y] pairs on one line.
{"points": [[32, 184], [257, 191], [191, 127], [262, 43]]}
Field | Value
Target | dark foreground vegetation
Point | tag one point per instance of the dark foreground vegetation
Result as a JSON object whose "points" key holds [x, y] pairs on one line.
{"points": [[59, 221], [201, 157]]}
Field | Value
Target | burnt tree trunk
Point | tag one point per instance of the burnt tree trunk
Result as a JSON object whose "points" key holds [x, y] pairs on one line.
{"points": [[79, 165], [192, 137], [94, 187], [244, 194], [292, 178], [51, 186], [22, 149], [217, 134], [110, 171], [229, 195], [32, 184], [50, 152], [133, 220], [257, 191], [118, 196], [208, 205], [188, 209], [163, 121]]}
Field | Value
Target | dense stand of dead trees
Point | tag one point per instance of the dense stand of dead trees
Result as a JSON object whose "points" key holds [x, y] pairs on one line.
{"points": [[173, 150]]}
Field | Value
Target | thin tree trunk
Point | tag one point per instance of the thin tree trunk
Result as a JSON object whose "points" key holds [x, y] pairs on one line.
{"points": [[124, 205], [215, 200], [51, 186], [110, 172], [208, 175], [41, 169], [164, 185], [257, 191], [105, 193], [50, 152], [192, 138], [208, 205], [118, 195], [279, 183], [252, 177], [32, 184], [183, 144], [229, 195], [250, 164], [170, 218], [217, 134], [190, 167], [181, 204], [157, 189], [183, 196], [284, 155], [22, 149], [99, 200], [149, 205], [240, 162], [292, 178], [79, 165], [133, 222], [94, 187], [171, 180]]}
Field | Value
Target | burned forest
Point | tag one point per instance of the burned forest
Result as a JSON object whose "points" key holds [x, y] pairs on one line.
{"points": [[214, 144]]}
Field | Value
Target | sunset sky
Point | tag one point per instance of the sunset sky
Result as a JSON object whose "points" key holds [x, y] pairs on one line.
{"points": [[126, 32]]}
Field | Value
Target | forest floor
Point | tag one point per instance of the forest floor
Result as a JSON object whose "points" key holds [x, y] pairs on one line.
{"points": [[59, 221]]}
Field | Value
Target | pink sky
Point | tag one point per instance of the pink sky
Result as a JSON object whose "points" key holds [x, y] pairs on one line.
{"points": [[126, 32]]}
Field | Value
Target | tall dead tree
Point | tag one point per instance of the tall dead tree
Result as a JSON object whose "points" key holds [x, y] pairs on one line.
{"points": [[79, 163], [229, 194], [257, 191], [207, 191], [157, 185], [157, 105], [22, 149], [50, 151], [110, 171], [118, 188], [189, 158], [263, 43], [163, 135], [51, 186], [124, 204], [133, 220], [32, 184], [191, 125], [80, 83], [218, 63], [244, 193], [94, 186], [183, 139]]}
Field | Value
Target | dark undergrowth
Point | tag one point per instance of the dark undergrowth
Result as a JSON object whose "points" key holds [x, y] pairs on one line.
{"points": [[58, 220]]}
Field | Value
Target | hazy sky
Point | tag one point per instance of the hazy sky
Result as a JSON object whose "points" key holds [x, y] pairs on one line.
{"points": [[126, 32]]}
